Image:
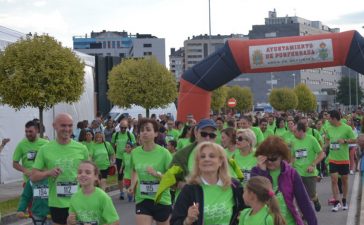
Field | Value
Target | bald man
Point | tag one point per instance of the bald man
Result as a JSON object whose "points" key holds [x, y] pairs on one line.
{"points": [[59, 160]]}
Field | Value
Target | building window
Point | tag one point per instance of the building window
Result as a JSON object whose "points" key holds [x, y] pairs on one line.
{"points": [[122, 55], [147, 45], [118, 44], [113, 44], [108, 44], [108, 54], [104, 44], [147, 53]]}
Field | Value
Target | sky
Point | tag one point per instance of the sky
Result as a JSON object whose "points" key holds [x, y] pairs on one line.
{"points": [[174, 20]]}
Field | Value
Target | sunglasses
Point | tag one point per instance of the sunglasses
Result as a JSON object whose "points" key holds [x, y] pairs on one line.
{"points": [[205, 134], [241, 139], [123, 128], [273, 159]]}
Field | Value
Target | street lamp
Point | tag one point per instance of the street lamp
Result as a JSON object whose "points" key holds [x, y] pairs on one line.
{"points": [[294, 80]]}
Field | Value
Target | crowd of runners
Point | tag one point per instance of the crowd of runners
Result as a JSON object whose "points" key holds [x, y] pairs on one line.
{"points": [[258, 168]]}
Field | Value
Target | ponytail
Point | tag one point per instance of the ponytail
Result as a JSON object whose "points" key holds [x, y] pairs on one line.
{"points": [[275, 211]]}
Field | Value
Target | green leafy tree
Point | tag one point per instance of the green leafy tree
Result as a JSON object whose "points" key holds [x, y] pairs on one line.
{"points": [[38, 72], [144, 82], [283, 99], [306, 99], [243, 96], [218, 98], [343, 96]]}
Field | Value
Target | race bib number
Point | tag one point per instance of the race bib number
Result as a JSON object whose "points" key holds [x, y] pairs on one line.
{"points": [[149, 187], [41, 191], [301, 153], [66, 189], [246, 175], [335, 146], [31, 155]]}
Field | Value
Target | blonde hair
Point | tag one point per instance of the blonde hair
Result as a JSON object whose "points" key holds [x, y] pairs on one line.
{"points": [[249, 135], [262, 188], [222, 172]]}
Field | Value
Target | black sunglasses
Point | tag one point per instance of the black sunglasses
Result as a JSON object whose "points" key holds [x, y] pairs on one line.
{"points": [[205, 134], [273, 159], [241, 139], [123, 128]]}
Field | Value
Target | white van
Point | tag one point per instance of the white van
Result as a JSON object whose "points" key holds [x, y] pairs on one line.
{"points": [[116, 112]]}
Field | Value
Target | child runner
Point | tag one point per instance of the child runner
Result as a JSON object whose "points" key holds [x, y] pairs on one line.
{"points": [[85, 203], [259, 195]]}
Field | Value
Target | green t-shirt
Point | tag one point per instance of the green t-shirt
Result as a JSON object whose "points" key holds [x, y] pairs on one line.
{"points": [[172, 135], [218, 137], [262, 217], [287, 215], [100, 154], [126, 162], [271, 126], [230, 154], [339, 153], [267, 133], [159, 159], [96, 208], [218, 204], [280, 132], [316, 134], [305, 152], [258, 134], [245, 163], [191, 160], [183, 142], [89, 145], [287, 137], [67, 157], [26, 152], [120, 139]]}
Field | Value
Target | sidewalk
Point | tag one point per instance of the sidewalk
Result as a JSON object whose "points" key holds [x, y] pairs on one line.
{"points": [[14, 190]]}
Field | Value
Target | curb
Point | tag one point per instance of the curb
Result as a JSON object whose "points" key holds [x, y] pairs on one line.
{"points": [[361, 212], [12, 218], [353, 212]]}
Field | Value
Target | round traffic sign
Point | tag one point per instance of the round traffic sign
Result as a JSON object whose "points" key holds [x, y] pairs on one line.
{"points": [[231, 102]]}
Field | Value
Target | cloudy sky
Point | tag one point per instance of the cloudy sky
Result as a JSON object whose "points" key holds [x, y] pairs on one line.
{"points": [[174, 20]]}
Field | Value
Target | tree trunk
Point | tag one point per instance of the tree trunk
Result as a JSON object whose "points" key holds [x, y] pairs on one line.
{"points": [[147, 112], [41, 130]]}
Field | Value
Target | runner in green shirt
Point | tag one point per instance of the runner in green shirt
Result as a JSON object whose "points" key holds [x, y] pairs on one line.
{"points": [[220, 126], [90, 204], [247, 124], [263, 125], [148, 163], [58, 161], [172, 134], [338, 138], [119, 140], [89, 142], [26, 150], [259, 195], [185, 137], [103, 155], [280, 128], [306, 154]]}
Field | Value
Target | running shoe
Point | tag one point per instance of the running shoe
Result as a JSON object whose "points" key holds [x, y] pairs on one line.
{"points": [[336, 207]]}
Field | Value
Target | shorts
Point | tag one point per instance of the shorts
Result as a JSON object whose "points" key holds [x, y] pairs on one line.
{"points": [[159, 212], [310, 185], [342, 169], [104, 173], [59, 215], [119, 164], [127, 183]]}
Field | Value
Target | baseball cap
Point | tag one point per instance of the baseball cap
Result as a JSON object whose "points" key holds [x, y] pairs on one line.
{"points": [[206, 123]]}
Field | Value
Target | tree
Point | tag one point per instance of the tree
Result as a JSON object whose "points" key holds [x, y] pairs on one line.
{"points": [[342, 95], [218, 98], [38, 72], [144, 82], [243, 96], [306, 99], [283, 99]]}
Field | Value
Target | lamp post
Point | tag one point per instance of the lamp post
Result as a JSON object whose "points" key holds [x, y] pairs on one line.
{"points": [[294, 80]]}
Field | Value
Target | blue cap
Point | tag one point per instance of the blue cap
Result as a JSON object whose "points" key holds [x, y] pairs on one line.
{"points": [[206, 123]]}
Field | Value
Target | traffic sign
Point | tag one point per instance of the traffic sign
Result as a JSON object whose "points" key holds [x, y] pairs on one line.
{"points": [[231, 102]]}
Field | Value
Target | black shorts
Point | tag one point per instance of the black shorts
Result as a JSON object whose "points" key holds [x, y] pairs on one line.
{"points": [[104, 173], [159, 212], [59, 215], [342, 169], [119, 164]]}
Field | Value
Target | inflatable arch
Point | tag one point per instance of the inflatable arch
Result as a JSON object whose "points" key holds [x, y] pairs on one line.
{"points": [[265, 55]]}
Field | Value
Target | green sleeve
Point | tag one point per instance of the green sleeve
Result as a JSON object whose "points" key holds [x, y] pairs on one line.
{"points": [[39, 162], [109, 214], [110, 149], [113, 138], [318, 137], [17, 153], [25, 197]]}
